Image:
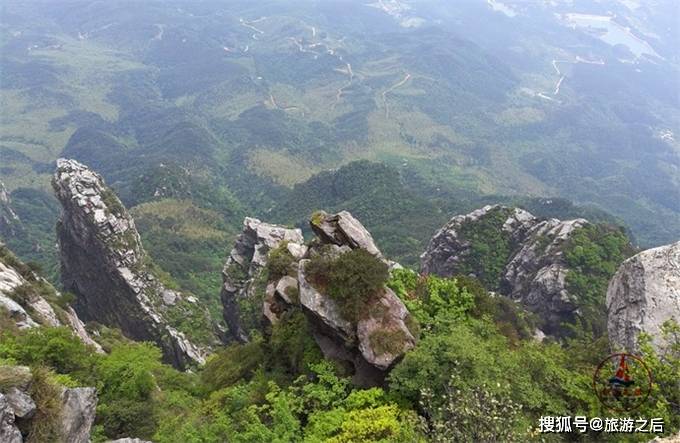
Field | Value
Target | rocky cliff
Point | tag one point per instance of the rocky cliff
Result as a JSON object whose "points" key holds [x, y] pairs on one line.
{"points": [[73, 411], [268, 268], [8, 218], [104, 264], [245, 262], [643, 294], [29, 300], [511, 252]]}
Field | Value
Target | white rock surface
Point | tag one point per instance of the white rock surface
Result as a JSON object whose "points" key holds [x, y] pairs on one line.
{"points": [[642, 295]]}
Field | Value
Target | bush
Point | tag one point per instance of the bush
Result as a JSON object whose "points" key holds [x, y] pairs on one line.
{"points": [[475, 414], [234, 363], [292, 344], [56, 348], [280, 262], [353, 279], [489, 247], [427, 297], [593, 254]]}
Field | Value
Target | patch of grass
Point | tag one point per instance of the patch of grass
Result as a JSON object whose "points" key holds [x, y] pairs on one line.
{"points": [[46, 394], [412, 325], [293, 293], [13, 376]]}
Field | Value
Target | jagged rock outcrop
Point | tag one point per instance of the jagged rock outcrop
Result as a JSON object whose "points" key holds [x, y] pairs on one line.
{"points": [[342, 229], [23, 295], [76, 409], [104, 265], [643, 294], [533, 270], [357, 342], [245, 261]]}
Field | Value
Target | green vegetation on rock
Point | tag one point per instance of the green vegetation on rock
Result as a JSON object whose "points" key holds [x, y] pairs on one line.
{"points": [[593, 254], [490, 247], [353, 279]]}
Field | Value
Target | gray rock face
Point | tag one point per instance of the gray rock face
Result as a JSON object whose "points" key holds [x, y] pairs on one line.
{"points": [[643, 294], [448, 249], [103, 263], [42, 312], [535, 273], [77, 409], [77, 414], [371, 345], [324, 308], [343, 229], [9, 433], [17, 313], [383, 334], [8, 218], [21, 403], [247, 259]]}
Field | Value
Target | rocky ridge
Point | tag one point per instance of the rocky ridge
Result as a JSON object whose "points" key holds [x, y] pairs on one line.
{"points": [[23, 296], [534, 270], [104, 264], [18, 409], [644, 294], [338, 337]]}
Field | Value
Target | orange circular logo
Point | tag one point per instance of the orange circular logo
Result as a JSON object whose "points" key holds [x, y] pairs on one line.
{"points": [[622, 382]]}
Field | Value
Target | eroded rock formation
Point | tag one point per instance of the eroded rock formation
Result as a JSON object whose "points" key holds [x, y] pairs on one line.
{"points": [[357, 342], [532, 268], [643, 294], [245, 262], [104, 265]]}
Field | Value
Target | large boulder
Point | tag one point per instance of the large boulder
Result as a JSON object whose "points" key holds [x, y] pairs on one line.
{"points": [[448, 249], [104, 264], [343, 229], [643, 294], [536, 275], [21, 403]]}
